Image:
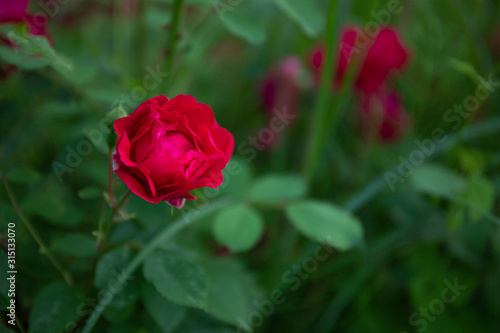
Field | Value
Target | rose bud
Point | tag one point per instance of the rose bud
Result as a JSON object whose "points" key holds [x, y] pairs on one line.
{"points": [[280, 86], [383, 118], [168, 147], [385, 56]]}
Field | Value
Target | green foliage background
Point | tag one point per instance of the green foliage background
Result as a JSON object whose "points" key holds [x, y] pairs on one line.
{"points": [[390, 252]]}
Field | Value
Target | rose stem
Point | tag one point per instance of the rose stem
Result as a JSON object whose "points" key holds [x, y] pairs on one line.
{"points": [[100, 228], [320, 125], [110, 178], [102, 234], [172, 39], [116, 208], [19, 325], [43, 247], [169, 232]]}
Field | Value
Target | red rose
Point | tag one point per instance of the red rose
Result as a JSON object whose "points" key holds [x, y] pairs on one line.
{"points": [[167, 148]]}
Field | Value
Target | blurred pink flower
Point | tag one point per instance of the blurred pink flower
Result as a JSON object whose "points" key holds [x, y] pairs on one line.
{"points": [[279, 90], [12, 10], [383, 117], [38, 26], [378, 59], [15, 11]]}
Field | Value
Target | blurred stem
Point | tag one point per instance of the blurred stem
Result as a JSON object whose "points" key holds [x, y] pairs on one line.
{"points": [[172, 39], [367, 193], [100, 228], [320, 124], [117, 207], [168, 233], [110, 177], [140, 37], [103, 234], [122, 201], [117, 44], [43, 247], [20, 325]]}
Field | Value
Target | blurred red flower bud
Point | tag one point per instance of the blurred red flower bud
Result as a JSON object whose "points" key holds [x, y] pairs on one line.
{"points": [[378, 58], [383, 117], [279, 89]]}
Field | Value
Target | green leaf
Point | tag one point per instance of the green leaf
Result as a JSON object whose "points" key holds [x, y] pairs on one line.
{"points": [[480, 194], [165, 313], [40, 46], [139, 323], [231, 290], [237, 175], [277, 189], [241, 20], [89, 192], [191, 2], [178, 277], [114, 114], [110, 266], [108, 269], [437, 180], [54, 308], [50, 205], [24, 174], [326, 223], [22, 61], [43, 204], [120, 312], [200, 322], [123, 232], [78, 245], [238, 227], [465, 68], [5, 329], [305, 13]]}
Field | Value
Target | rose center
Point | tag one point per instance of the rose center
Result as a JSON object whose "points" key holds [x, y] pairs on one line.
{"points": [[175, 144]]}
